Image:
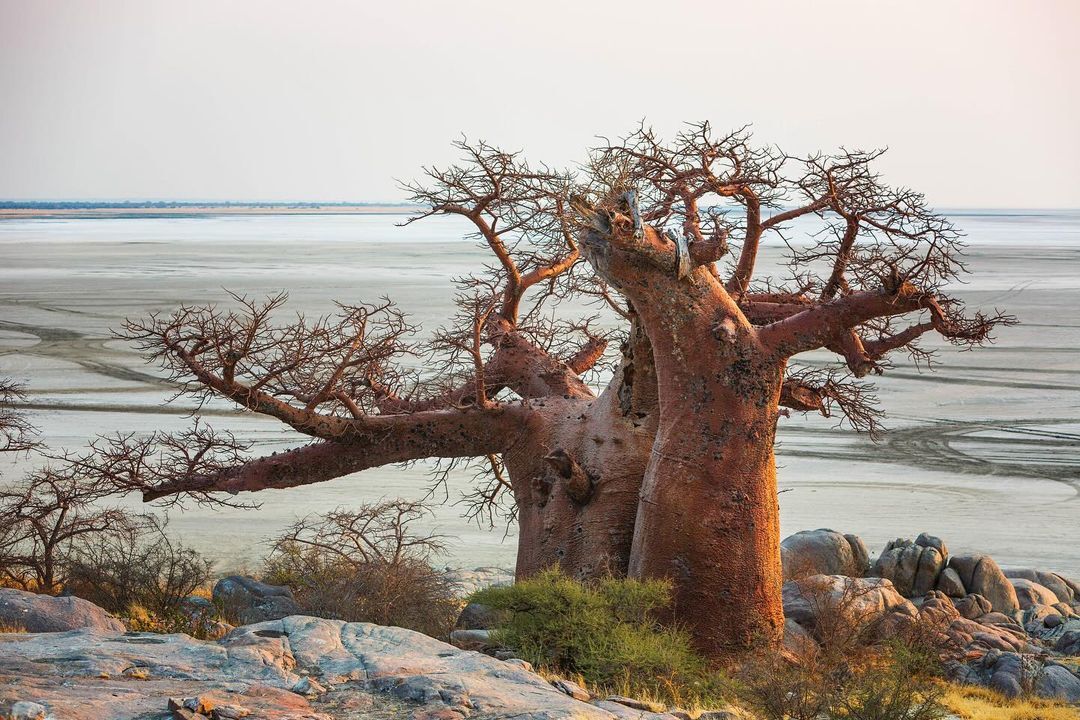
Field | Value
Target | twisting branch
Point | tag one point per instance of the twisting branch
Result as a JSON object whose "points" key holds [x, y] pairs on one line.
{"points": [[314, 376], [831, 323], [696, 165], [827, 392], [517, 212], [125, 463], [17, 434], [869, 280]]}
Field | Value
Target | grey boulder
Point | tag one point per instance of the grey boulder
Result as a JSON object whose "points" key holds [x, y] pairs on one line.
{"points": [[981, 575], [45, 613], [1058, 682], [973, 606], [949, 583], [251, 601], [912, 566], [1029, 593], [823, 552], [475, 616], [1068, 643], [1060, 586], [858, 601]]}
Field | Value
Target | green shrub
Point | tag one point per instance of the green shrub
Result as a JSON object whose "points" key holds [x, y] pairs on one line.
{"points": [[605, 632]]}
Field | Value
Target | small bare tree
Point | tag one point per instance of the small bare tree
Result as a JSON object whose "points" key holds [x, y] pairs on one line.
{"points": [[17, 433], [368, 565], [667, 472], [141, 570], [45, 517]]}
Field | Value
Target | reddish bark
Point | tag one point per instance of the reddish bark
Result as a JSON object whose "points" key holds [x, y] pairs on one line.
{"points": [[669, 472]]}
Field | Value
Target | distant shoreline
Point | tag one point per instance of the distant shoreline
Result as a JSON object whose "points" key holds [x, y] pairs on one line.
{"points": [[195, 210]]}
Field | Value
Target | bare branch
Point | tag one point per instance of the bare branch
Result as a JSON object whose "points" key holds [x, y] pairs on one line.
{"points": [[17, 434]]}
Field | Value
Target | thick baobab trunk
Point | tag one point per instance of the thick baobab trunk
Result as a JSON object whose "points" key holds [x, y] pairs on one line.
{"points": [[576, 484], [708, 517], [577, 476]]}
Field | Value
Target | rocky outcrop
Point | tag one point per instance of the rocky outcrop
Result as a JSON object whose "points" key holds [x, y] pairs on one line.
{"points": [[855, 601], [981, 575], [1030, 594], [1011, 628], [823, 552], [1012, 674], [251, 601], [913, 566], [296, 667], [44, 613], [919, 566], [1063, 589]]}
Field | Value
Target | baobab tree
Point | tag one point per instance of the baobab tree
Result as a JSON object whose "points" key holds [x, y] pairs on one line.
{"points": [[669, 469]]}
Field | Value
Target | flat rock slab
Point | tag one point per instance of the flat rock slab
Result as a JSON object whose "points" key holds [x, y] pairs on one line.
{"points": [[361, 670]]}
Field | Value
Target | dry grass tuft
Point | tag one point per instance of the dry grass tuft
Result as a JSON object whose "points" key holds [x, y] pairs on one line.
{"points": [[976, 703]]}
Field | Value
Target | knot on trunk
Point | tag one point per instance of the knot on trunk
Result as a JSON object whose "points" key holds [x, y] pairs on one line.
{"points": [[579, 486]]}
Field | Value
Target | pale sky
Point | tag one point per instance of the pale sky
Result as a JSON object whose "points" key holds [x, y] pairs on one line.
{"points": [[979, 102]]}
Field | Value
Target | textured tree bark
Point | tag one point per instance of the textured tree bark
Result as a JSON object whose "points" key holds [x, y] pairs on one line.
{"points": [[609, 439], [587, 535], [707, 517]]}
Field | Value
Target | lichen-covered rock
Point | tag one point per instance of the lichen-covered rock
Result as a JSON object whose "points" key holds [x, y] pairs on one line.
{"points": [[823, 552], [45, 613], [77, 675], [252, 601], [982, 576], [23, 710]]}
